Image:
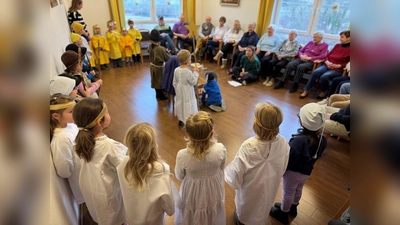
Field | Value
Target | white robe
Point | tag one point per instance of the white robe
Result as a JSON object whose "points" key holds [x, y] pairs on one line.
{"points": [[99, 182], [255, 173], [149, 206], [63, 208], [202, 188], [185, 102], [65, 160]]}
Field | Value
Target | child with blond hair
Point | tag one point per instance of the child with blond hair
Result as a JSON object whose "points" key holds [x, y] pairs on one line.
{"points": [[184, 81], [126, 44], [257, 169], [200, 167], [146, 185], [113, 39], [136, 37], [100, 48]]}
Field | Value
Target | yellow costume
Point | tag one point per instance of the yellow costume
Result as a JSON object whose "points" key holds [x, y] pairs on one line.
{"points": [[113, 39], [136, 36], [96, 42], [126, 45]]}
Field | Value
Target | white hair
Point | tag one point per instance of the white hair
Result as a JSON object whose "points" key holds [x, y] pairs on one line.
{"points": [[295, 31], [320, 33], [253, 24], [273, 26]]}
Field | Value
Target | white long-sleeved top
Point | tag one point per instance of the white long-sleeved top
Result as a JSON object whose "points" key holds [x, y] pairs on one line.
{"points": [[219, 32], [98, 181], [149, 206], [255, 173], [66, 161], [232, 35]]}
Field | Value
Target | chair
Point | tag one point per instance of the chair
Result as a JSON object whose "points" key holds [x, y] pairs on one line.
{"points": [[230, 55], [144, 43], [185, 45], [215, 49]]}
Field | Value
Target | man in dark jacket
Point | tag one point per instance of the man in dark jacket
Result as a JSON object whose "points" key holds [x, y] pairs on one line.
{"points": [[338, 123]]}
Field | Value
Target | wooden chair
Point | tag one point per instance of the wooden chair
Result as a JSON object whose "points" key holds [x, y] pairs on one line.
{"points": [[144, 43], [230, 56], [215, 49]]}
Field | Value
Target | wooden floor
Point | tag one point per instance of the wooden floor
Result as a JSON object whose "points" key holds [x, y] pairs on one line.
{"points": [[130, 100]]}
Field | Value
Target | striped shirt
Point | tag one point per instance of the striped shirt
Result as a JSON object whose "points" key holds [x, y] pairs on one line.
{"points": [[76, 17]]}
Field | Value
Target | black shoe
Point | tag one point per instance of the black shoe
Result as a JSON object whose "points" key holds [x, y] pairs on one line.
{"points": [[292, 211], [236, 219], [294, 88], [233, 77], [103, 67], [279, 85], [180, 123], [279, 215]]}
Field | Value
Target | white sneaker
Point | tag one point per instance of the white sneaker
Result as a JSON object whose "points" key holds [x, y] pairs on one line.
{"points": [[269, 84], [216, 108], [223, 105], [266, 81], [323, 102]]}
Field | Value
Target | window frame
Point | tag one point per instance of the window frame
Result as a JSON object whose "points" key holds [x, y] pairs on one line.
{"points": [[312, 23], [153, 17]]}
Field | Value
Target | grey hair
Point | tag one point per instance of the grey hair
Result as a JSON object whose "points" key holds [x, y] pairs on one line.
{"points": [[320, 33], [253, 24], [295, 31], [237, 31], [273, 26]]}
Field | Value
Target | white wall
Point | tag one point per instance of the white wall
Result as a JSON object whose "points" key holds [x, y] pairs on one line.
{"points": [[246, 12], [60, 38]]}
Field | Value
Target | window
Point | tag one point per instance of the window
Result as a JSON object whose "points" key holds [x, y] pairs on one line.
{"points": [[308, 16], [145, 12]]}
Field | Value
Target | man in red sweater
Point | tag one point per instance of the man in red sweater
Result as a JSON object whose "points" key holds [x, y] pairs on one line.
{"points": [[335, 61]]}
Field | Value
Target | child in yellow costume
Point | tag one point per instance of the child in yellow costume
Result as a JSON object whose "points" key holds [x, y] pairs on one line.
{"points": [[113, 39], [126, 44], [136, 37], [100, 48]]}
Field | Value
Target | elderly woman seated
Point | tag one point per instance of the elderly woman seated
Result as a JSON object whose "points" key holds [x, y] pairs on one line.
{"points": [[335, 61], [314, 50], [249, 67], [283, 55], [230, 38]]}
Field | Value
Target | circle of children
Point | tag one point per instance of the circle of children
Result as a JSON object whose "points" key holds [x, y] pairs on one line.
{"points": [[128, 183]]}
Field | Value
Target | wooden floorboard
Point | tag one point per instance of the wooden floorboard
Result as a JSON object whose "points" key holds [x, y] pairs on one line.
{"points": [[130, 100]]}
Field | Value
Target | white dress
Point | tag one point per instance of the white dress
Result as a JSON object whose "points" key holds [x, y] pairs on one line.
{"points": [[149, 206], [99, 182], [202, 189], [66, 161], [186, 102], [255, 173], [63, 208]]}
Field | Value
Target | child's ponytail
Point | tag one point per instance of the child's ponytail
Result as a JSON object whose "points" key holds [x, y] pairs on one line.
{"points": [[87, 113]]}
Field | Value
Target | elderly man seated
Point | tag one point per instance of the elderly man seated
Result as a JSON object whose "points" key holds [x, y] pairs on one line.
{"points": [[283, 55], [182, 32]]}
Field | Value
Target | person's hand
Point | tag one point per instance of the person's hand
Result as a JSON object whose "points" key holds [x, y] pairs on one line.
{"points": [[280, 57], [183, 36], [99, 81], [206, 38], [195, 69], [328, 116], [267, 53], [92, 72], [241, 74], [83, 32], [162, 34], [241, 49], [258, 51]]}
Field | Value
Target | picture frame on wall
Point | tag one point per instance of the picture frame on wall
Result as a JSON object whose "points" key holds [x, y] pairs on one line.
{"points": [[230, 2]]}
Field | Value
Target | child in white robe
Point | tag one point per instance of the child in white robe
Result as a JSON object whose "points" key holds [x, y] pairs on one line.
{"points": [[100, 157], [258, 167], [200, 167], [184, 81], [146, 185]]}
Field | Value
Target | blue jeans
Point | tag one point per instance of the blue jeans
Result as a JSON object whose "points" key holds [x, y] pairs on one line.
{"points": [[210, 45], [324, 75], [345, 89], [169, 43]]}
